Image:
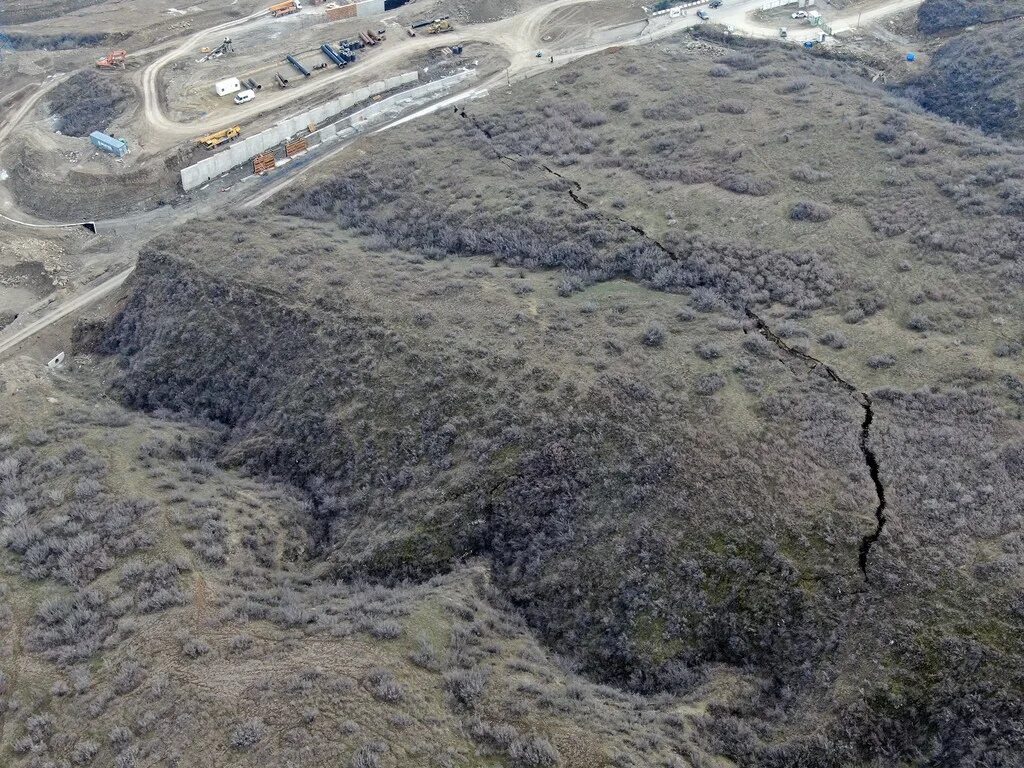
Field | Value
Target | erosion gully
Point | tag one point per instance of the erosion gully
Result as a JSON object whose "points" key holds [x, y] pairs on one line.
{"points": [[862, 398]]}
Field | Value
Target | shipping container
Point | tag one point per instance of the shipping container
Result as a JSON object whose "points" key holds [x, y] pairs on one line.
{"points": [[230, 85], [109, 144]]}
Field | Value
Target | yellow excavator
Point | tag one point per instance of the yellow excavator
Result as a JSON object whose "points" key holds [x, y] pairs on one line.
{"points": [[215, 139]]}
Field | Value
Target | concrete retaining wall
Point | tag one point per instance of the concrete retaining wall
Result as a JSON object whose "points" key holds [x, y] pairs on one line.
{"points": [[242, 151], [369, 8]]}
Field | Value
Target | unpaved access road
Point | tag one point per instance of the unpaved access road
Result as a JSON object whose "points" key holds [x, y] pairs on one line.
{"points": [[72, 304], [739, 16], [520, 35]]}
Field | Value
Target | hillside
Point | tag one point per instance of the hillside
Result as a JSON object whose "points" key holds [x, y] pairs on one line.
{"points": [[945, 15], [975, 79], [160, 609], [710, 356], [664, 410]]}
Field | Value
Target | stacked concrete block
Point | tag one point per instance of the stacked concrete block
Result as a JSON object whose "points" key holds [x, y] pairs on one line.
{"points": [[243, 151]]}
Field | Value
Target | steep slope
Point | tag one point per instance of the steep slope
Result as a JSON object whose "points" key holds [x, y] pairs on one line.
{"points": [[975, 79], [943, 15], [159, 609]]}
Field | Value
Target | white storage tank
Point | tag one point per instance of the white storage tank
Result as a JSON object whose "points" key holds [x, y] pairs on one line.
{"points": [[231, 85]]}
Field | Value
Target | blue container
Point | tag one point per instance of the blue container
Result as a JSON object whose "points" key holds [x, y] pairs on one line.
{"points": [[109, 144], [911, 57], [808, 44]]}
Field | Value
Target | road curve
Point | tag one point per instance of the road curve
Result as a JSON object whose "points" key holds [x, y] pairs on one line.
{"points": [[94, 294]]}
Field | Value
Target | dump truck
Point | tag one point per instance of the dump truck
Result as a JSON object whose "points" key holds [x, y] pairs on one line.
{"points": [[441, 25], [113, 59], [283, 9], [215, 139]]}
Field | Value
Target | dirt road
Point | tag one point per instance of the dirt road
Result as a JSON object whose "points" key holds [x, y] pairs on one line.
{"points": [[519, 36], [739, 16], [73, 304]]}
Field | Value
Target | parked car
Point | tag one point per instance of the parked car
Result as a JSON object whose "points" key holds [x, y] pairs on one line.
{"points": [[703, 15], [799, 14], [715, 4]]}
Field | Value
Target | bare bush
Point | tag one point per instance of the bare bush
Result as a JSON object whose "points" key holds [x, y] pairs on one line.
{"points": [[805, 210], [87, 102], [655, 335], [732, 107], [534, 752], [806, 173], [248, 734]]}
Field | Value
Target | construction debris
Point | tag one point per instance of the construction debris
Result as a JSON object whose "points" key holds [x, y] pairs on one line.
{"points": [[263, 163]]}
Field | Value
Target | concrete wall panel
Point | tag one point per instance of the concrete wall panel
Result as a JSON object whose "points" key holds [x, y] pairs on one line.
{"points": [[370, 8], [243, 151], [319, 114]]}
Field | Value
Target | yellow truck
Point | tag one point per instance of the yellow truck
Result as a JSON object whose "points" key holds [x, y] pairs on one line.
{"points": [[215, 139]]}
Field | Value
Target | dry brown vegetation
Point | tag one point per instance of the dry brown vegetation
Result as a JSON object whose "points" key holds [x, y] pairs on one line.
{"points": [[645, 368]]}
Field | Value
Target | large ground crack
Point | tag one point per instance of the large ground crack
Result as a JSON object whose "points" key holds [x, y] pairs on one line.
{"points": [[863, 398], [864, 401], [873, 469]]}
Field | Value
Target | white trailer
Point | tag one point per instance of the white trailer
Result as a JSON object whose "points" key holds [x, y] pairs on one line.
{"points": [[224, 87]]}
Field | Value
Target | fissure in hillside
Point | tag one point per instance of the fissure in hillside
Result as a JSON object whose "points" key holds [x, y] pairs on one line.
{"points": [[863, 398], [873, 469], [870, 458]]}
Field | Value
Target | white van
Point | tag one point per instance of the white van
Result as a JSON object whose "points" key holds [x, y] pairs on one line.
{"points": [[245, 96]]}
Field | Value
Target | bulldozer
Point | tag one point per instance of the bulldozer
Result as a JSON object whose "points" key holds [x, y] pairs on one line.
{"points": [[441, 25], [113, 59], [215, 139]]}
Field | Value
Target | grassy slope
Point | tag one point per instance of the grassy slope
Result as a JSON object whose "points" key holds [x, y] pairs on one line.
{"points": [[565, 421], [975, 79], [943, 15], [244, 638]]}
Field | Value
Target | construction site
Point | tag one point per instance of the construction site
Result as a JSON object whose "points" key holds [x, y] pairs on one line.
{"points": [[511, 383], [170, 112]]}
